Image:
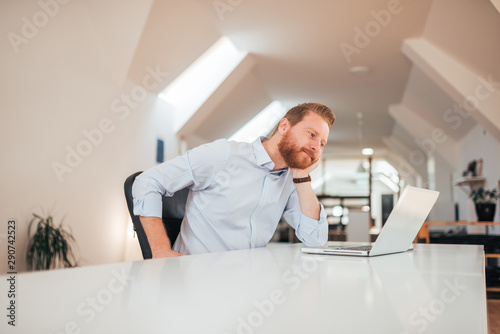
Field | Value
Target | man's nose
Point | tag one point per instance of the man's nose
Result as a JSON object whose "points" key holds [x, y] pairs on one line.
{"points": [[315, 145]]}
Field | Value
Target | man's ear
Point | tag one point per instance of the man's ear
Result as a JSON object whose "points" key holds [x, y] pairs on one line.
{"points": [[283, 126]]}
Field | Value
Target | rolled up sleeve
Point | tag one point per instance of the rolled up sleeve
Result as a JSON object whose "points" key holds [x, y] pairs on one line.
{"points": [[195, 169], [310, 231], [147, 196]]}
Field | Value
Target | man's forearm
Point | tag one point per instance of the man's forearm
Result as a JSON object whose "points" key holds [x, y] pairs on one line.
{"points": [[157, 236], [309, 204]]}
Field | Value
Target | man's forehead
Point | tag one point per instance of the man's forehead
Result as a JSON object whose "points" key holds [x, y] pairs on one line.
{"points": [[317, 123]]}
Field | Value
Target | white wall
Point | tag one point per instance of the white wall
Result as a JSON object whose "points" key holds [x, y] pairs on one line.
{"points": [[57, 85], [444, 209]]}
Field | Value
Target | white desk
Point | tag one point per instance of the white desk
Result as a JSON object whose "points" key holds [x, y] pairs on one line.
{"points": [[277, 289]]}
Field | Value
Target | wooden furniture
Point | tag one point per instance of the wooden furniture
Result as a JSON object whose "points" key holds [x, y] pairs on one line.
{"points": [[423, 234]]}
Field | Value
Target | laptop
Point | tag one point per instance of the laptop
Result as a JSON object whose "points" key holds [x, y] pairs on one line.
{"points": [[399, 231]]}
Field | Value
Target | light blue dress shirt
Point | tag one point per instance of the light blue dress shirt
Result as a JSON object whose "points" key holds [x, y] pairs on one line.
{"points": [[235, 199]]}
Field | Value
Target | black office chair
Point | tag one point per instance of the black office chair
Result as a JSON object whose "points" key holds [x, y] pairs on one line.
{"points": [[172, 215]]}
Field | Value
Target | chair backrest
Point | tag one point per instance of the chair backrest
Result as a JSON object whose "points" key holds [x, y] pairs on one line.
{"points": [[173, 212]]}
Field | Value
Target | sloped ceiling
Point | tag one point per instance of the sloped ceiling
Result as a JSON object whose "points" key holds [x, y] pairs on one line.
{"points": [[175, 35], [246, 97], [303, 52], [466, 53], [119, 29], [424, 95], [297, 45]]}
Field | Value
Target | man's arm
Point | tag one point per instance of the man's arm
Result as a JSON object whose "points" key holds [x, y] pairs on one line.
{"points": [[157, 237], [309, 204], [196, 170], [311, 231], [304, 212]]}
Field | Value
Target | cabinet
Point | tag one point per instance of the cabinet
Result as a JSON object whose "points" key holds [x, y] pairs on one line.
{"points": [[423, 234]]}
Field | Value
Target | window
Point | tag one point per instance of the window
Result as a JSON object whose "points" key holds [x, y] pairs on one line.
{"points": [[195, 85]]}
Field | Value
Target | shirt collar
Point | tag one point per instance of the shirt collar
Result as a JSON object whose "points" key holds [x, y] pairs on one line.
{"points": [[263, 159]]}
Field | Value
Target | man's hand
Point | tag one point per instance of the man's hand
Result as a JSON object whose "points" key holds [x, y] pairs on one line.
{"points": [[299, 173], [157, 238]]}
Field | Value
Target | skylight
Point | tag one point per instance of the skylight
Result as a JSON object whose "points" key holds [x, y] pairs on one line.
{"points": [[262, 124], [387, 174], [383, 167], [192, 88]]}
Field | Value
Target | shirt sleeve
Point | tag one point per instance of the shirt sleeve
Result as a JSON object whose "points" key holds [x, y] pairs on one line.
{"points": [[196, 170], [312, 232]]}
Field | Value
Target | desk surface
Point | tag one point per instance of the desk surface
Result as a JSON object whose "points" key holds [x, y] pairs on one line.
{"points": [[276, 289]]}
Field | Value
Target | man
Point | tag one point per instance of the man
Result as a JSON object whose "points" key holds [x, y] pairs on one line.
{"points": [[239, 191]]}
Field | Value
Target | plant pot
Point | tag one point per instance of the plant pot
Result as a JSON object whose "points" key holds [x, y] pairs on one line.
{"points": [[485, 211]]}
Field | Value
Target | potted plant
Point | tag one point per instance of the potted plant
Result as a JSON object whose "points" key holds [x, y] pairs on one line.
{"points": [[485, 203], [50, 246]]}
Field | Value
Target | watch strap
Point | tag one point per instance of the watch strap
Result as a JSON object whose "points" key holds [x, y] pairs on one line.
{"points": [[302, 179]]}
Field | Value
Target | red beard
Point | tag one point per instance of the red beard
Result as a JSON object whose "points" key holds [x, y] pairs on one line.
{"points": [[293, 155]]}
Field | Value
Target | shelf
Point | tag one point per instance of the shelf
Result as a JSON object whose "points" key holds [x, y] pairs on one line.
{"points": [[463, 223], [493, 289], [467, 184], [491, 255]]}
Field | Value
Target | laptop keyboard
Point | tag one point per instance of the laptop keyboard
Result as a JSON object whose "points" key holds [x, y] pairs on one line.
{"points": [[360, 248]]}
